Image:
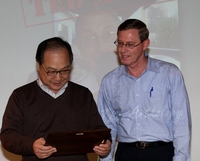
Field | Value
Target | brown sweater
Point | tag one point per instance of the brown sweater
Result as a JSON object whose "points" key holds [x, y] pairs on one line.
{"points": [[31, 113]]}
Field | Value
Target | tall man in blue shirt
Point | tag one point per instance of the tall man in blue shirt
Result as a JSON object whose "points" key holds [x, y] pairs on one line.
{"points": [[145, 103]]}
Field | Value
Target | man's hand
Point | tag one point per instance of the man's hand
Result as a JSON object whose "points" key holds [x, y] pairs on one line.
{"points": [[103, 149], [42, 151]]}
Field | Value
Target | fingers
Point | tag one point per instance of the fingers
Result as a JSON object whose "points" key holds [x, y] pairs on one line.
{"points": [[42, 151], [103, 149]]}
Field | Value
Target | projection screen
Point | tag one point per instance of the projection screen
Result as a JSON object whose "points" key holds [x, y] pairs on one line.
{"points": [[90, 27]]}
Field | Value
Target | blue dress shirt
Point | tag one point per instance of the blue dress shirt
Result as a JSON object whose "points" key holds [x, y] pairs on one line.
{"points": [[153, 107]]}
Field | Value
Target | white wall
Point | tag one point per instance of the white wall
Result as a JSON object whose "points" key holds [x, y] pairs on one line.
{"points": [[189, 40], [21, 31]]}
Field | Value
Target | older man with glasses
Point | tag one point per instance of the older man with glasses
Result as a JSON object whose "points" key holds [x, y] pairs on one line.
{"points": [[145, 103], [50, 104]]}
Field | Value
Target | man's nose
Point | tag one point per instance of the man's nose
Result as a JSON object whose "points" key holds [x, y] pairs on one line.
{"points": [[57, 76]]}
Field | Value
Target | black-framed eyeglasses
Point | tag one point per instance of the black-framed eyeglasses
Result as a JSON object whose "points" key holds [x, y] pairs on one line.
{"points": [[128, 45], [54, 72]]}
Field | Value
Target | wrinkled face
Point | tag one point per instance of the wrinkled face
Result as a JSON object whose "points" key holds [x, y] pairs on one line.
{"points": [[129, 56], [54, 60]]}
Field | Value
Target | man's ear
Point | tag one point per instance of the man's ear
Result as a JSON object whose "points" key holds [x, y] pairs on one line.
{"points": [[37, 66], [146, 44]]}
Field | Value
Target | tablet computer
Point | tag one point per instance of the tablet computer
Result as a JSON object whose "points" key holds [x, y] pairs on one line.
{"points": [[77, 142]]}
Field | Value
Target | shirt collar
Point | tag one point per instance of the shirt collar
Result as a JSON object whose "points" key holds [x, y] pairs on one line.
{"points": [[48, 91], [151, 66]]}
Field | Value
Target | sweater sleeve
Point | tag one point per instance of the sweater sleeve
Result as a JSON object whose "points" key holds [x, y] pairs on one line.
{"points": [[12, 128], [95, 121]]}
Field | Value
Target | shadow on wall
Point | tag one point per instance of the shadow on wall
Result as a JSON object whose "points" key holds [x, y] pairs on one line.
{"points": [[10, 156]]}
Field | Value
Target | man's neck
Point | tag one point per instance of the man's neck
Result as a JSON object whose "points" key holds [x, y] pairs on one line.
{"points": [[137, 69]]}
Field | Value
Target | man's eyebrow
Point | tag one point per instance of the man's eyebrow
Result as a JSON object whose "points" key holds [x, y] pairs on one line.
{"points": [[131, 42], [64, 68]]}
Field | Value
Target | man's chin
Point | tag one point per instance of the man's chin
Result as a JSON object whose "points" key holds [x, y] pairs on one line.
{"points": [[55, 89]]}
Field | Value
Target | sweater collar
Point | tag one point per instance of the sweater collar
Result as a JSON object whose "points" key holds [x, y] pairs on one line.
{"points": [[48, 91]]}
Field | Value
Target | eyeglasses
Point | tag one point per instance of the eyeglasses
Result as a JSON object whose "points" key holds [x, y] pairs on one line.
{"points": [[53, 73], [128, 45]]}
